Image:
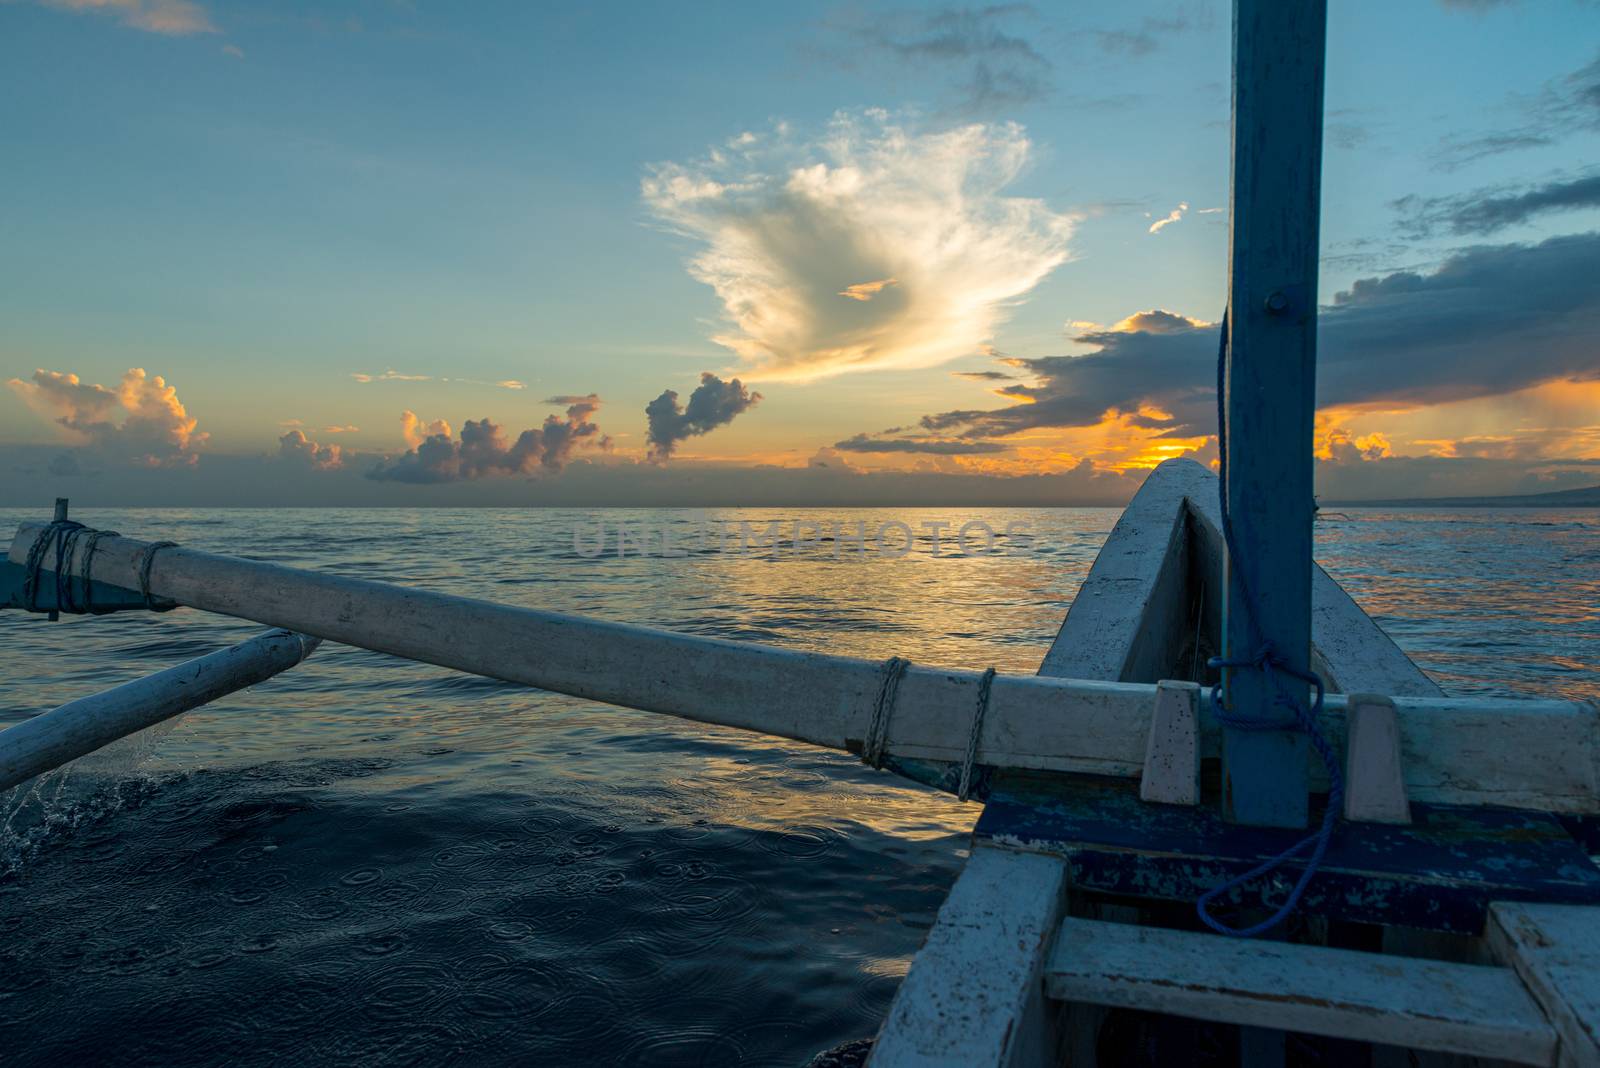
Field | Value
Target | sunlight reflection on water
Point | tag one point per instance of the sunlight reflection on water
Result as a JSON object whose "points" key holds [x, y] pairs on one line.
{"points": [[507, 874]]}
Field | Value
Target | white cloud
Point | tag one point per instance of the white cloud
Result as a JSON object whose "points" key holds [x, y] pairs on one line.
{"points": [[141, 420], [174, 18], [389, 375], [871, 247], [1173, 216], [294, 447], [415, 431]]}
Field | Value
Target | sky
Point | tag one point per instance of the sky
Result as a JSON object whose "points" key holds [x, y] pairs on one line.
{"points": [[413, 253]]}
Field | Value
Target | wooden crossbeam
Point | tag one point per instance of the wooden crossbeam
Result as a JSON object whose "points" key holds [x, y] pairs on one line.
{"points": [[1405, 1001]]}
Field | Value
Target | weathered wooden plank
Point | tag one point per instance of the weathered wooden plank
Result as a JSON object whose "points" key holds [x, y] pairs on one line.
{"points": [[1534, 754], [1127, 619], [52, 738], [1374, 779], [1460, 1008], [973, 995], [1556, 951], [1172, 755], [1278, 48]]}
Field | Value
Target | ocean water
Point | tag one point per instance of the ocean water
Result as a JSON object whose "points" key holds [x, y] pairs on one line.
{"points": [[368, 860]]}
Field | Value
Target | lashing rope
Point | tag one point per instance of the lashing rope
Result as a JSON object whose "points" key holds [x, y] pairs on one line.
{"points": [[145, 560], [892, 672], [63, 537], [1272, 664], [54, 532], [984, 685], [86, 566], [875, 749]]}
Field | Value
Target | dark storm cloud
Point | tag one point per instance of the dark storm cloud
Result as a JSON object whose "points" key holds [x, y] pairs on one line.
{"points": [[713, 403], [483, 450], [1488, 210], [926, 446], [1490, 320]]}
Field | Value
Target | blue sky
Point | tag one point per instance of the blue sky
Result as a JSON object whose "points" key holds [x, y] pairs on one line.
{"points": [[258, 202]]}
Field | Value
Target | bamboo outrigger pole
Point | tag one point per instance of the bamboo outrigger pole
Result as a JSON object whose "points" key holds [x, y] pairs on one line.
{"points": [[1542, 755], [53, 738]]}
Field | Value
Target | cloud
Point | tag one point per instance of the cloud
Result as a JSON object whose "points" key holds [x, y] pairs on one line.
{"points": [[388, 375], [993, 68], [1173, 216], [786, 227], [483, 451], [414, 431], [1487, 210], [1143, 39], [713, 403], [866, 290], [829, 457], [1491, 320], [296, 448], [233, 50], [142, 419], [391, 375], [984, 376], [1564, 105], [173, 18], [925, 445], [1156, 321]]}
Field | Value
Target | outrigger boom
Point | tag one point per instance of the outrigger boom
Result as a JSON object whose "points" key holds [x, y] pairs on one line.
{"points": [[1535, 754]]}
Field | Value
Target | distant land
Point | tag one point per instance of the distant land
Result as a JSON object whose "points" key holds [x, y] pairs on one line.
{"points": [[1588, 497]]}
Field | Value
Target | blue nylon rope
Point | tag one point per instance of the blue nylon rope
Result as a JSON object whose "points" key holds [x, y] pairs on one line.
{"points": [[1270, 662]]}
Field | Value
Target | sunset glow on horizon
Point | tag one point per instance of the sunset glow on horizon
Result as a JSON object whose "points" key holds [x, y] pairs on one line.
{"points": [[411, 255]]}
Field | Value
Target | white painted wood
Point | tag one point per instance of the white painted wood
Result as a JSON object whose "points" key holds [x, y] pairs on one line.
{"points": [[1555, 949], [973, 994], [1129, 598], [1350, 650], [1496, 752], [1375, 789], [1172, 755], [53, 738], [1530, 754], [1120, 624], [1431, 1005]]}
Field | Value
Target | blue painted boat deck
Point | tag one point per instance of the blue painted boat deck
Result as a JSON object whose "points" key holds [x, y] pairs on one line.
{"points": [[1440, 873]]}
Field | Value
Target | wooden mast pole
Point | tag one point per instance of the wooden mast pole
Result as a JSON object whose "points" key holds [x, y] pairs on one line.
{"points": [[1271, 380]]}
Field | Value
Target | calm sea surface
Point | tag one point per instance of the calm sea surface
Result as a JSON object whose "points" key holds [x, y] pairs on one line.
{"points": [[370, 860]]}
